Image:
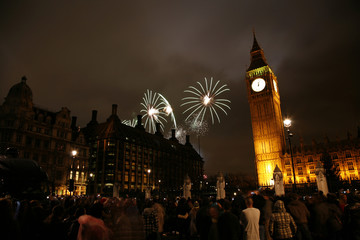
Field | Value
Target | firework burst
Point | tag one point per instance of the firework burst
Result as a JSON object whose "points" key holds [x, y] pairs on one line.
{"points": [[205, 99], [155, 109]]}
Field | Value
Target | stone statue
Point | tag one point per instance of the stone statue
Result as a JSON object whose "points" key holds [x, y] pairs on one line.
{"points": [[220, 185], [187, 187], [278, 182], [321, 179], [147, 192]]}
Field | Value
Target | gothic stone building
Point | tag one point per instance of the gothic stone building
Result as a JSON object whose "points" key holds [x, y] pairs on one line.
{"points": [[128, 159], [269, 138], [111, 157], [45, 136]]}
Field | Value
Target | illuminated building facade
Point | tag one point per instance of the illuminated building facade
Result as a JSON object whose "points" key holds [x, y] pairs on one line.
{"points": [[345, 155], [269, 139], [121, 156], [46, 137]]}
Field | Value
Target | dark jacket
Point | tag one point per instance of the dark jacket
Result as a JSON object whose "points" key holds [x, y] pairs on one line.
{"points": [[299, 212]]}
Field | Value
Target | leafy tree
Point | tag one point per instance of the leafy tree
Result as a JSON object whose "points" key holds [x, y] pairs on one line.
{"points": [[332, 172]]}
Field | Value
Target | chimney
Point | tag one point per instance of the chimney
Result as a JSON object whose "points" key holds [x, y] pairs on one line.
{"points": [[114, 109], [349, 136], [73, 122], [187, 140], [139, 123], [158, 129], [139, 120], [173, 134], [94, 115]]}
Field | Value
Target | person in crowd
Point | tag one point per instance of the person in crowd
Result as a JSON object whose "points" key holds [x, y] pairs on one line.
{"points": [[183, 219], [92, 228], [352, 218], [266, 214], [203, 219], [334, 222], [343, 202], [319, 212], [214, 213], [250, 220], [259, 203], [54, 227], [160, 213], [194, 210], [228, 224], [9, 228], [73, 230], [282, 225], [128, 222], [151, 223], [301, 215]]}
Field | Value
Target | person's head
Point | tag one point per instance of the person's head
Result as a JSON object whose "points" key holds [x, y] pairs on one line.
{"points": [[249, 202], [279, 206], [293, 196], [227, 205], [214, 212]]}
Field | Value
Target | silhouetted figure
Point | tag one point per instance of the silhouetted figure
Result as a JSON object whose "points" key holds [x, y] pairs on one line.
{"points": [[228, 224], [9, 228]]}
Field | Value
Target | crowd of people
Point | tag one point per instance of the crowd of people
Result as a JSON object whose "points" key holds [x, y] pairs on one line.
{"points": [[255, 216]]}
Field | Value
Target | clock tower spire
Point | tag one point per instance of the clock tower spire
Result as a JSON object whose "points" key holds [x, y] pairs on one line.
{"points": [[266, 117], [257, 56]]}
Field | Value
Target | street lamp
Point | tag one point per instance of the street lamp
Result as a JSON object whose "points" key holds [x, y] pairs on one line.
{"points": [[287, 124], [71, 181], [149, 171]]}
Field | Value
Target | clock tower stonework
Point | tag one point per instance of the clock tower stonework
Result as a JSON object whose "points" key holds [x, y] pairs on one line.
{"points": [[266, 118]]}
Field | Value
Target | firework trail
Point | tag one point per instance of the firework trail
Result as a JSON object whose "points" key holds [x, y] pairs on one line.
{"points": [[205, 98], [155, 109], [168, 109], [131, 123]]}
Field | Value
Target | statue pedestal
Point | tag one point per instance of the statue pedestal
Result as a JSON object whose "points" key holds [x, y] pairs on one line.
{"points": [[321, 179], [220, 186], [278, 182], [148, 193], [187, 187]]}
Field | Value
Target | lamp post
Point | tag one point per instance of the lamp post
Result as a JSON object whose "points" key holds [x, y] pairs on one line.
{"points": [[72, 182], [149, 171], [287, 124]]}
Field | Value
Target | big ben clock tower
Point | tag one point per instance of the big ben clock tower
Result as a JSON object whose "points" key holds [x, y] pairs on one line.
{"points": [[266, 118]]}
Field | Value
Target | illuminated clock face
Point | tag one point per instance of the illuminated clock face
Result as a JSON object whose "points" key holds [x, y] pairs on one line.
{"points": [[258, 85], [275, 86]]}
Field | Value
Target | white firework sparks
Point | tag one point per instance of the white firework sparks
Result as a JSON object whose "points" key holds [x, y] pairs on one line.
{"points": [[155, 109], [205, 98], [196, 126], [131, 123], [151, 106], [168, 109]]}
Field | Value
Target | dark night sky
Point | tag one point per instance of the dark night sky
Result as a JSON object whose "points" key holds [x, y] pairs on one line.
{"points": [[92, 54]]}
